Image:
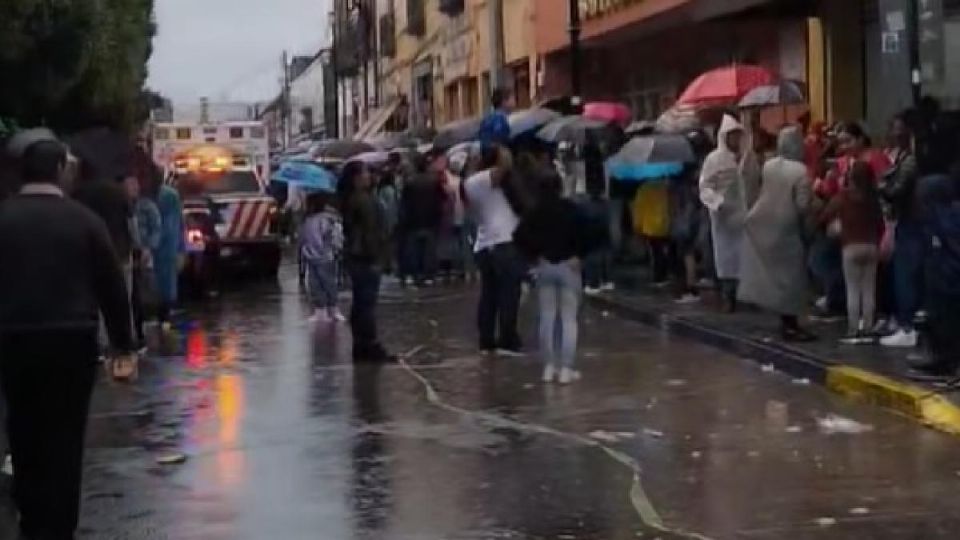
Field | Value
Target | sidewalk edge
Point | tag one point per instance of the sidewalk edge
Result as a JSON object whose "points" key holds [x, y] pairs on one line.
{"points": [[910, 400]]}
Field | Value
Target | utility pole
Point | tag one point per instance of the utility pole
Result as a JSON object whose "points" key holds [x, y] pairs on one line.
{"points": [[495, 11], [334, 66], [575, 53], [285, 99]]}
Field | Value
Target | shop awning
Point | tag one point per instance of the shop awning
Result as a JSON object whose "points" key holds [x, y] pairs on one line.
{"points": [[377, 120]]}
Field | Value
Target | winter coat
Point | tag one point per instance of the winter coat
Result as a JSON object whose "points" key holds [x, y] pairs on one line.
{"points": [[722, 192], [773, 271]]}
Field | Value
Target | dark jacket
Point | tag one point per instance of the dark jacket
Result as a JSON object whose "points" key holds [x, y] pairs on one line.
{"points": [[364, 229], [59, 270], [899, 188], [422, 203], [110, 202], [554, 231]]}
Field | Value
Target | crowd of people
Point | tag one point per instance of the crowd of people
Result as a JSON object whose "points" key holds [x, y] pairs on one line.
{"points": [[814, 219], [82, 248]]}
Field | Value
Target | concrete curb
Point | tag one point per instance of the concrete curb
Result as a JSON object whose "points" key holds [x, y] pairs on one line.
{"points": [[917, 402]]}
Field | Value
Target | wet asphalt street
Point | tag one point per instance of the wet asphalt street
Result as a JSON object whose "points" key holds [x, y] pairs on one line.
{"points": [[285, 439]]}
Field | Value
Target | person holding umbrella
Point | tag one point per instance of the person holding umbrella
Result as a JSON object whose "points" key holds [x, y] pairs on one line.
{"points": [[364, 250]]}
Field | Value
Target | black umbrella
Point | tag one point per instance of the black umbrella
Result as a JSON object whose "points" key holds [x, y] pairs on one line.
{"points": [[107, 154], [457, 132], [339, 149]]}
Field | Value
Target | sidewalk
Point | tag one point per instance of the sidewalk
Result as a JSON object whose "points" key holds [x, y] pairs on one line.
{"points": [[866, 372]]}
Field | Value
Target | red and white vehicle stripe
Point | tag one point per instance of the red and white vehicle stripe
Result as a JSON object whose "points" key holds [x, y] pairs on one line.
{"points": [[248, 219]]}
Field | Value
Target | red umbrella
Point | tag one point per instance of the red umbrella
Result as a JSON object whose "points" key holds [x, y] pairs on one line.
{"points": [[725, 85], [617, 113]]}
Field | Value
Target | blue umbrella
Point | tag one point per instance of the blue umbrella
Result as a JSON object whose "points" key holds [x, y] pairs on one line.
{"points": [[307, 175], [653, 156]]}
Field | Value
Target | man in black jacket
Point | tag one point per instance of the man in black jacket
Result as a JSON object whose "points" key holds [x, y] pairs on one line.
{"points": [[59, 272]]}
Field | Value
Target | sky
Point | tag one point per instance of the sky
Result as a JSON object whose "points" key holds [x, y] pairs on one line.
{"points": [[229, 50]]}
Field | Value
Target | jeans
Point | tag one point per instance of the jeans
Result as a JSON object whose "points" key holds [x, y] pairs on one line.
{"points": [[942, 336], [558, 287], [826, 263], [365, 280], [421, 254], [596, 268], [323, 283], [47, 379], [860, 273], [501, 273], [907, 271], [617, 207]]}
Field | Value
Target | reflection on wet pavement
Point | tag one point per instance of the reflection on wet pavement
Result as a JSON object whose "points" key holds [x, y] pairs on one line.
{"points": [[285, 439]]}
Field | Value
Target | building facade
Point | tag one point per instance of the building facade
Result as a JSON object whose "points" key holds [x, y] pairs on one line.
{"points": [[419, 64]]}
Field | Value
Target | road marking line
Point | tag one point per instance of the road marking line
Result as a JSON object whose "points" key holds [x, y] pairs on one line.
{"points": [[638, 497]]}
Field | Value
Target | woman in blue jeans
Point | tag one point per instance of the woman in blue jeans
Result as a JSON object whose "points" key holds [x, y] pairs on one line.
{"points": [[553, 236]]}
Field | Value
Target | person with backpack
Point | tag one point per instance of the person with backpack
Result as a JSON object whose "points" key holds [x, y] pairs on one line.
{"points": [[321, 242]]}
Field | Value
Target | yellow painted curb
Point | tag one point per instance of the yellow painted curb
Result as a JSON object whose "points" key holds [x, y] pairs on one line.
{"points": [[932, 409]]}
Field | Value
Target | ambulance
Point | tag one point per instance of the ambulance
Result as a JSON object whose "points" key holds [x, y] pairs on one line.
{"points": [[230, 219]]}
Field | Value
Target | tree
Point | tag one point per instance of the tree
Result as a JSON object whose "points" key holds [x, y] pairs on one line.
{"points": [[72, 64]]}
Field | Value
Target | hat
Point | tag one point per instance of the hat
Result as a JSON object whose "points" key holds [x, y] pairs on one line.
{"points": [[22, 140]]}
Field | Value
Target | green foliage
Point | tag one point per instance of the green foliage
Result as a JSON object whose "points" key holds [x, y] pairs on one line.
{"points": [[74, 63]]}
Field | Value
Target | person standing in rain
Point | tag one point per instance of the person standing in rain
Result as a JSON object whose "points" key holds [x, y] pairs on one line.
{"points": [[60, 272], [495, 127], [501, 268], [773, 257], [364, 252], [168, 257], [722, 192]]}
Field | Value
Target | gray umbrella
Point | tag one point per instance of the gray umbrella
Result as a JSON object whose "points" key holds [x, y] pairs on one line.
{"points": [[528, 120], [457, 132], [651, 156], [784, 93], [574, 129], [339, 149]]}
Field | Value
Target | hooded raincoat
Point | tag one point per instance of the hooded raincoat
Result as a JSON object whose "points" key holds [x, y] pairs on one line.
{"points": [[166, 256], [722, 192], [773, 272]]}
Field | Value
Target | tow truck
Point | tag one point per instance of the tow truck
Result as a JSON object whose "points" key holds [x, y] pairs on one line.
{"points": [[229, 217]]}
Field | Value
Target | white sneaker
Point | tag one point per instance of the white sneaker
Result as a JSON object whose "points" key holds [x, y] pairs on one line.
{"points": [[568, 376], [7, 468], [608, 286], [409, 282], [901, 338], [549, 373], [591, 291], [510, 353], [319, 317], [337, 315], [821, 303], [687, 299]]}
